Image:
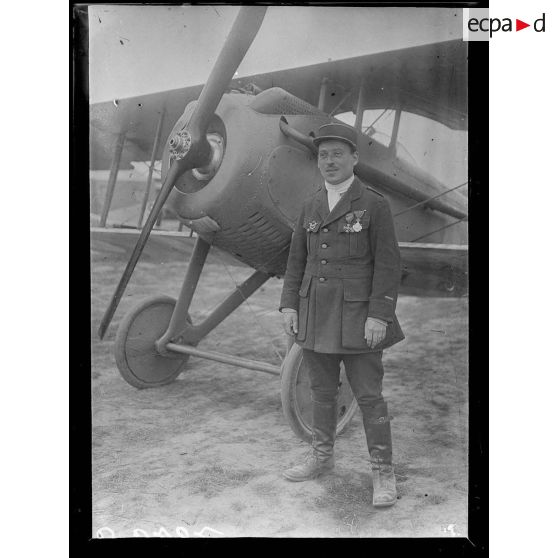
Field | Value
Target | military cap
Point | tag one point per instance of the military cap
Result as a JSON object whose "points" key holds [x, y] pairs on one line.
{"points": [[335, 131]]}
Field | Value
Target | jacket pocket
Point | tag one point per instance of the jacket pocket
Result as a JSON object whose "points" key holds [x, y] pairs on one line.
{"points": [[355, 312], [341, 245], [303, 306]]}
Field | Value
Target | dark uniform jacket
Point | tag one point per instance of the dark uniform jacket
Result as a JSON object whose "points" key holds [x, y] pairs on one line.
{"points": [[343, 267]]}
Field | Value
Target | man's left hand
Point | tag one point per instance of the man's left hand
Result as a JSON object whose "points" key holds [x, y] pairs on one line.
{"points": [[374, 332]]}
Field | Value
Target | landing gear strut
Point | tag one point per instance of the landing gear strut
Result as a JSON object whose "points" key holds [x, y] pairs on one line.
{"points": [[156, 338]]}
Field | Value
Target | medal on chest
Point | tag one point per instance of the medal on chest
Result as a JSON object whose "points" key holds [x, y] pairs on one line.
{"points": [[357, 227], [349, 218], [353, 219], [312, 226]]}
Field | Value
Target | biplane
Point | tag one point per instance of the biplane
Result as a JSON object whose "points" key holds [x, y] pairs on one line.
{"points": [[237, 164]]}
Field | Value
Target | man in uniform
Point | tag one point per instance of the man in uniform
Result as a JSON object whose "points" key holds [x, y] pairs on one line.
{"points": [[338, 300]]}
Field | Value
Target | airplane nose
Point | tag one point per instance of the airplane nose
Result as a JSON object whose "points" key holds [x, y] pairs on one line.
{"points": [[208, 171], [180, 144]]}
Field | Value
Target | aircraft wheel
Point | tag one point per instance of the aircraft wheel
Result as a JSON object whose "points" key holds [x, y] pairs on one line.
{"points": [[137, 359], [295, 396]]}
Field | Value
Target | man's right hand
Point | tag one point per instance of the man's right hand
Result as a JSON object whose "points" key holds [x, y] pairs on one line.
{"points": [[290, 321]]}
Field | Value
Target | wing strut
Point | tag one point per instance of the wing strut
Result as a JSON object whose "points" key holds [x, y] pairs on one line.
{"points": [[323, 91], [112, 177], [151, 166], [360, 107], [395, 130]]}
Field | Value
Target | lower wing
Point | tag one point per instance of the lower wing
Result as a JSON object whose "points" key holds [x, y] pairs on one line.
{"points": [[434, 269]]}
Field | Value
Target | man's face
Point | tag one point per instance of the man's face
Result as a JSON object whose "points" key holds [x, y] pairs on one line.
{"points": [[336, 161]]}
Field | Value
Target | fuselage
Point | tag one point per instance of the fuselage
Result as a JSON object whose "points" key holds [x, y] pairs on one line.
{"points": [[256, 189]]}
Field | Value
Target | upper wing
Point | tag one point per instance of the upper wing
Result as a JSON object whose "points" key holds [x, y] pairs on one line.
{"points": [[429, 80], [138, 118]]}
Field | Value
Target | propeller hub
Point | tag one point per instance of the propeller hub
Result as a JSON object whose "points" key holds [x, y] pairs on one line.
{"points": [[180, 144], [208, 171]]}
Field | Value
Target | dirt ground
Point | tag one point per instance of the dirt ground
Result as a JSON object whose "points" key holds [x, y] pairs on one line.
{"points": [[203, 456]]}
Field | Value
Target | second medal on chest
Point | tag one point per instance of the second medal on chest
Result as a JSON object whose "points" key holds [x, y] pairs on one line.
{"points": [[353, 221]]}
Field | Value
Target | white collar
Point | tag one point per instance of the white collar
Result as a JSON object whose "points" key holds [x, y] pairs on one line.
{"points": [[342, 186]]}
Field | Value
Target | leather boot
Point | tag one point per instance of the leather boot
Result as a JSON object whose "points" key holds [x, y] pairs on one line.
{"points": [[383, 480], [320, 460], [378, 438]]}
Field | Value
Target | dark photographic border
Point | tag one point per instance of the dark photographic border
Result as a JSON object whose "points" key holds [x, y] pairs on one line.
{"points": [[80, 312]]}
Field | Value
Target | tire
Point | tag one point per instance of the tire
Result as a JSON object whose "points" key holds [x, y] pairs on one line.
{"points": [[137, 360], [295, 396]]}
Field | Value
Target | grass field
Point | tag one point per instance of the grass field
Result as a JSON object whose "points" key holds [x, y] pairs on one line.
{"points": [[203, 456]]}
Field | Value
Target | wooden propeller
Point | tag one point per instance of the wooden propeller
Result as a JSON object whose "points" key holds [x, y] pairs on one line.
{"points": [[191, 141]]}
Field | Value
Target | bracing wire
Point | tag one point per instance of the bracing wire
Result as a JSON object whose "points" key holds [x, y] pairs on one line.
{"points": [[424, 202]]}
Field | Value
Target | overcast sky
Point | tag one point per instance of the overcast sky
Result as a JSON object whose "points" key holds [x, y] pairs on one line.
{"points": [[143, 49]]}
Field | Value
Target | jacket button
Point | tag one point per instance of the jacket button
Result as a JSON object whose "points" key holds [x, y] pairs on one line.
{"points": [[322, 279], [323, 262], [324, 245], [325, 229]]}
